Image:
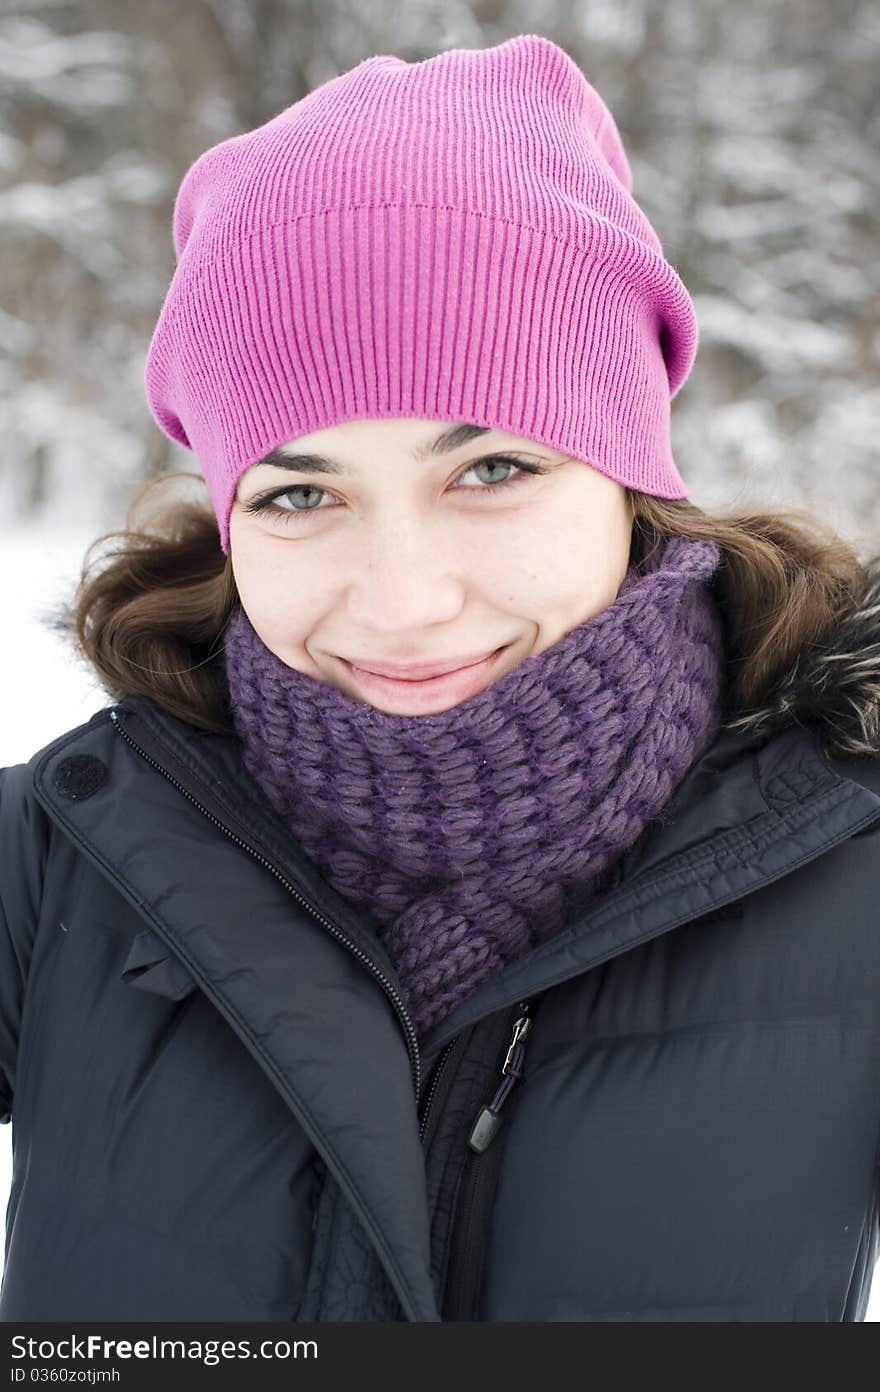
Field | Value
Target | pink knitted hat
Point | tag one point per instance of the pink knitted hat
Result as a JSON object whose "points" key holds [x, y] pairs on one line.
{"points": [[453, 240]]}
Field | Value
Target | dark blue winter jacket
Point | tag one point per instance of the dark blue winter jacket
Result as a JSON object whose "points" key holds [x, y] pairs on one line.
{"points": [[221, 1111]]}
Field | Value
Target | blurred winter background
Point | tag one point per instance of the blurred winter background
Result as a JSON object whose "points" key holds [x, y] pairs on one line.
{"points": [[752, 131]]}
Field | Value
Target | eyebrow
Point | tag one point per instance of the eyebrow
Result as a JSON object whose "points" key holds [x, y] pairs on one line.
{"points": [[452, 438]]}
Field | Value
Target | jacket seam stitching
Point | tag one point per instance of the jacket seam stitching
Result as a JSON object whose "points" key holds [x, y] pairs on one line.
{"points": [[724, 1027]]}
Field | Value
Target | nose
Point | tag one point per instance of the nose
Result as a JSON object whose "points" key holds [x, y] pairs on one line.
{"points": [[403, 581]]}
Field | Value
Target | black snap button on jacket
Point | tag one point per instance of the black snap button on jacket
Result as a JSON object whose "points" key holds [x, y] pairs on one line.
{"points": [[79, 776]]}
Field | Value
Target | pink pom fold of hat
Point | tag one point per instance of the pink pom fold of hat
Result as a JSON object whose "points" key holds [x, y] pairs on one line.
{"points": [[454, 240]]}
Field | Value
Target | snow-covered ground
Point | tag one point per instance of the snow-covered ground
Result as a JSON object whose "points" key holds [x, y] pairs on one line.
{"points": [[50, 692]]}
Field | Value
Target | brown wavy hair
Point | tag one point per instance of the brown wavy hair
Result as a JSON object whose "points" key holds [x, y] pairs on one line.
{"points": [[149, 611]]}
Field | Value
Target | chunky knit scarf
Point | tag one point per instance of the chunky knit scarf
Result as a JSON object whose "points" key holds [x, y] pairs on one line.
{"points": [[471, 835]]}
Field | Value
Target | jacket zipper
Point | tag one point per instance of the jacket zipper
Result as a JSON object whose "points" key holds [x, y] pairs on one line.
{"points": [[394, 996], [435, 1078], [468, 1243], [488, 1121]]}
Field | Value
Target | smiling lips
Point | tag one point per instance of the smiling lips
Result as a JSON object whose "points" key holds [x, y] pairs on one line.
{"points": [[418, 671], [423, 694]]}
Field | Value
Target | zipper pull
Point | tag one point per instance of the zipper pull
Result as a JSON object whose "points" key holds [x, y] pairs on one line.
{"points": [[488, 1122]]}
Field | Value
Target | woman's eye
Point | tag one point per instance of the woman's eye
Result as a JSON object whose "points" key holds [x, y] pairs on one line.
{"points": [[490, 464], [522, 469], [300, 488]]}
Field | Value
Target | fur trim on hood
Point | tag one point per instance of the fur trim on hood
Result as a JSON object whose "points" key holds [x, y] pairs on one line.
{"points": [[835, 687]]}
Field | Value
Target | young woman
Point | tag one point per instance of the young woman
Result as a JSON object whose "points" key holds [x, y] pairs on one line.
{"points": [[465, 907]]}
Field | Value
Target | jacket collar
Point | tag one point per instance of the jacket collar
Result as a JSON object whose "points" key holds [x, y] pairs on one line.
{"points": [[751, 809]]}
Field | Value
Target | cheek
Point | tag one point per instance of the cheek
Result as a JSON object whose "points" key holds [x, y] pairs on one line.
{"points": [[282, 602], [539, 552], [265, 588], [569, 564]]}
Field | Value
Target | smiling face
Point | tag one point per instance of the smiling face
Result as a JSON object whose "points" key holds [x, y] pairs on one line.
{"points": [[421, 542]]}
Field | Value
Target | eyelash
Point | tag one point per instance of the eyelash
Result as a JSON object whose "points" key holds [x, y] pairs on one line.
{"points": [[263, 503]]}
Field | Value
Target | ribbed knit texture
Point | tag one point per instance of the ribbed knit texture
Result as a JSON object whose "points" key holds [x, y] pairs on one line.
{"points": [[455, 240], [470, 835]]}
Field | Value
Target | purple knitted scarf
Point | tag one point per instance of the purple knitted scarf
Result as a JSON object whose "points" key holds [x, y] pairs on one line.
{"points": [[470, 835]]}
